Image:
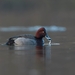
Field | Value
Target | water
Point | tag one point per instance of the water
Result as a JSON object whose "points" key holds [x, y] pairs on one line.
{"points": [[55, 59]]}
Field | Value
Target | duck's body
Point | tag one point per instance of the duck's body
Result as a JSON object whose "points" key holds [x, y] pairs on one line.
{"points": [[28, 39]]}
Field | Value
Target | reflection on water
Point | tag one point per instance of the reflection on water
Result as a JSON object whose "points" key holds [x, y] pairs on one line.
{"points": [[25, 47], [34, 28], [40, 51], [25, 61]]}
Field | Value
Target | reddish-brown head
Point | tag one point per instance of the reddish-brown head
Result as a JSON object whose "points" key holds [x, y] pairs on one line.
{"points": [[41, 33]]}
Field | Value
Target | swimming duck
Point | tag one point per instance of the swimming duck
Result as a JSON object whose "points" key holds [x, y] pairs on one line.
{"points": [[28, 39]]}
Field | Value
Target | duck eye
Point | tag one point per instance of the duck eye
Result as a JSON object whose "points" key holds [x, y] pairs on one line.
{"points": [[42, 32]]}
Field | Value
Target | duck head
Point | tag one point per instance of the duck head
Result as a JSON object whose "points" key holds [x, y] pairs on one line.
{"points": [[42, 33]]}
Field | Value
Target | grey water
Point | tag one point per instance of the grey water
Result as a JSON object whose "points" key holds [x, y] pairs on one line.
{"points": [[55, 59]]}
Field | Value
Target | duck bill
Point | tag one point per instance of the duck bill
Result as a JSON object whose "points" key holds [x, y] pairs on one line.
{"points": [[48, 38]]}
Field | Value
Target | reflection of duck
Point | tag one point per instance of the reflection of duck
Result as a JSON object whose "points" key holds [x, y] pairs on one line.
{"points": [[39, 51], [29, 39], [43, 51], [25, 47]]}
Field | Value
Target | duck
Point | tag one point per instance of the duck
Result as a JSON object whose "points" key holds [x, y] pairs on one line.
{"points": [[28, 39]]}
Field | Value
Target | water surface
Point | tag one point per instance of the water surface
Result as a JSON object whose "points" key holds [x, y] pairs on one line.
{"points": [[55, 59]]}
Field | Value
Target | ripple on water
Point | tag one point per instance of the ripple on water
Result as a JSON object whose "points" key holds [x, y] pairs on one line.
{"points": [[52, 44]]}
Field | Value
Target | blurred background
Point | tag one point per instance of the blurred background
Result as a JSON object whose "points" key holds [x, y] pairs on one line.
{"points": [[37, 12]]}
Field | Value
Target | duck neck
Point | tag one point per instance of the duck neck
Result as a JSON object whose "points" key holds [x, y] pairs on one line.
{"points": [[39, 41]]}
